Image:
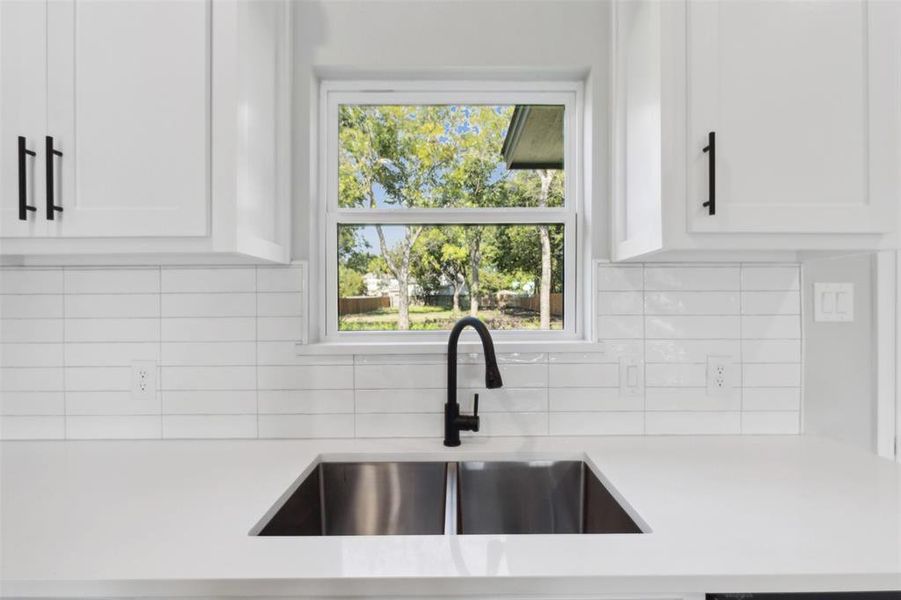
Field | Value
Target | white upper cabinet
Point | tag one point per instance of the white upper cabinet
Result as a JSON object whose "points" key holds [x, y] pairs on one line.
{"points": [[23, 111], [801, 100], [128, 107], [786, 87], [160, 130]]}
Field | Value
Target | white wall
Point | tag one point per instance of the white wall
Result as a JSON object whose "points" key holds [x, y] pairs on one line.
{"points": [[839, 393], [458, 39]]}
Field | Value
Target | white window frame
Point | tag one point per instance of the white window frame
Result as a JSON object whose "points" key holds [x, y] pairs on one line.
{"points": [[329, 215]]}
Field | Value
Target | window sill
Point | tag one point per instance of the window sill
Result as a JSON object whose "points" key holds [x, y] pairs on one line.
{"points": [[440, 347]]}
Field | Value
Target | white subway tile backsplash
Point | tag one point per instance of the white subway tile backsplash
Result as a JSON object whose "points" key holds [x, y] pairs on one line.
{"points": [[185, 280], [225, 339], [107, 306], [771, 399], [280, 304], [597, 423], [110, 403], [207, 402], [771, 351], [691, 278], [584, 375], [588, 399], [33, 428], [770, 303], [621, 278], [112, 281], [112, 330], [31, 306], [771, 327], [208, 378], [306, 401], [383, 425], [31, 281], [132, 427], [689, 351], [31, 379], [675, 375], [619, 303], [280, 328], [690, 399], [31, 355], [197, 354], [692, 327], [208, 329], [110, 354], [32, 403], [209, 426], [279, 279], [401, 401], [691, 303], [307, 426], [209, 305], [770, 278], [772, 375], [31, 330], [692, 423], [305, 377], [98, 379], [630, 327]]}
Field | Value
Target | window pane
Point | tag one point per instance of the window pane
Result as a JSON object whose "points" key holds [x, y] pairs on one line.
{"points": [[425, 277], [454, 156]]}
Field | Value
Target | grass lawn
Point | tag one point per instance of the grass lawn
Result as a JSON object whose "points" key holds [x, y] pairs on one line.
{"points": [[437, 318]]}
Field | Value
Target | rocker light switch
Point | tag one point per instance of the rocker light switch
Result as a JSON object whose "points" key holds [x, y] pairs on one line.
{"points": [[833, 302]]}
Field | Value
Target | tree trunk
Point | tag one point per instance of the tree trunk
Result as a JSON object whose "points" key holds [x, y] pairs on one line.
{"points": [[400, 268], [544, 236], [403, 300], [458, 285], [475, 257]]}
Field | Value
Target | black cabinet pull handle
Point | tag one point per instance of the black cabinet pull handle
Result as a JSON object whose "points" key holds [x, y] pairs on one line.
{"points": [[23, 183], [52, 208], [710, 149]]}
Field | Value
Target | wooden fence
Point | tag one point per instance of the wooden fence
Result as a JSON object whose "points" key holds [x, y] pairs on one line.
{"points": [[534, 303], [354, 305]]}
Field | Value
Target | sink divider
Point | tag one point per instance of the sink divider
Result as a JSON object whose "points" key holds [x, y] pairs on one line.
{"points": [[451, 514]]}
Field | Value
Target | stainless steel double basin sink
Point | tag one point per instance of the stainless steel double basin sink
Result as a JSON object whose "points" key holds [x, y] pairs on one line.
{"points": [[448, 498]]}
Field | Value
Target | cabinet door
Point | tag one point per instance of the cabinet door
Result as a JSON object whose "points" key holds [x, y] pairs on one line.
{"points": [[129, 109], [23, 96], [787, 87]]}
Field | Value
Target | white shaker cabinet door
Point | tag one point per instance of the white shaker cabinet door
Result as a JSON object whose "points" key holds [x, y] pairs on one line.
{"points": [[798, 96], [129, 110], [23, 114]]}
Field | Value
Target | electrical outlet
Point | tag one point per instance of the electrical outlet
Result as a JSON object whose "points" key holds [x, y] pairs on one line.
{"points": [[143, 379], [720, 375], [631, 376]]}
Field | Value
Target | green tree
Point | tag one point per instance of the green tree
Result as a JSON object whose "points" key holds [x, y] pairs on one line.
{"points": [[441, 257], [350, 283], [394, 156]]}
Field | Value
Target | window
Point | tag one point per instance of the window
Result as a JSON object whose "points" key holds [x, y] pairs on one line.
{"points": [[446, 200]]}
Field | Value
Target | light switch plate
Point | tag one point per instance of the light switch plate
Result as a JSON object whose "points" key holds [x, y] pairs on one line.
{"points": [[631, 376], [833, 302]]}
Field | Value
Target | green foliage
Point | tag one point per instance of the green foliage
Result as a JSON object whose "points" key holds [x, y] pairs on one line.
{"points": [[350, 283]]}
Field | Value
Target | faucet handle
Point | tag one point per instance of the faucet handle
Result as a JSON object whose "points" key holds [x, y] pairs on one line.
{"points": [[475, 406]]}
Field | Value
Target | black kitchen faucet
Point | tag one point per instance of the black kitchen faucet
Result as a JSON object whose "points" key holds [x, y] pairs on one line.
{"points": [[454, 422]]}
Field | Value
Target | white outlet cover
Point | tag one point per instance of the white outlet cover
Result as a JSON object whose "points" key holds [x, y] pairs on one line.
{"points": [[833, 302], [143, 379], [720, 376]]}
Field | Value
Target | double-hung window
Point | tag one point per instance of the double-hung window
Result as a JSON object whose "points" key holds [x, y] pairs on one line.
{"points": [[441, 200]]}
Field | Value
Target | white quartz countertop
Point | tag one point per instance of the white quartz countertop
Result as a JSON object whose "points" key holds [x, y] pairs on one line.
{"points": [[730, 514]]}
